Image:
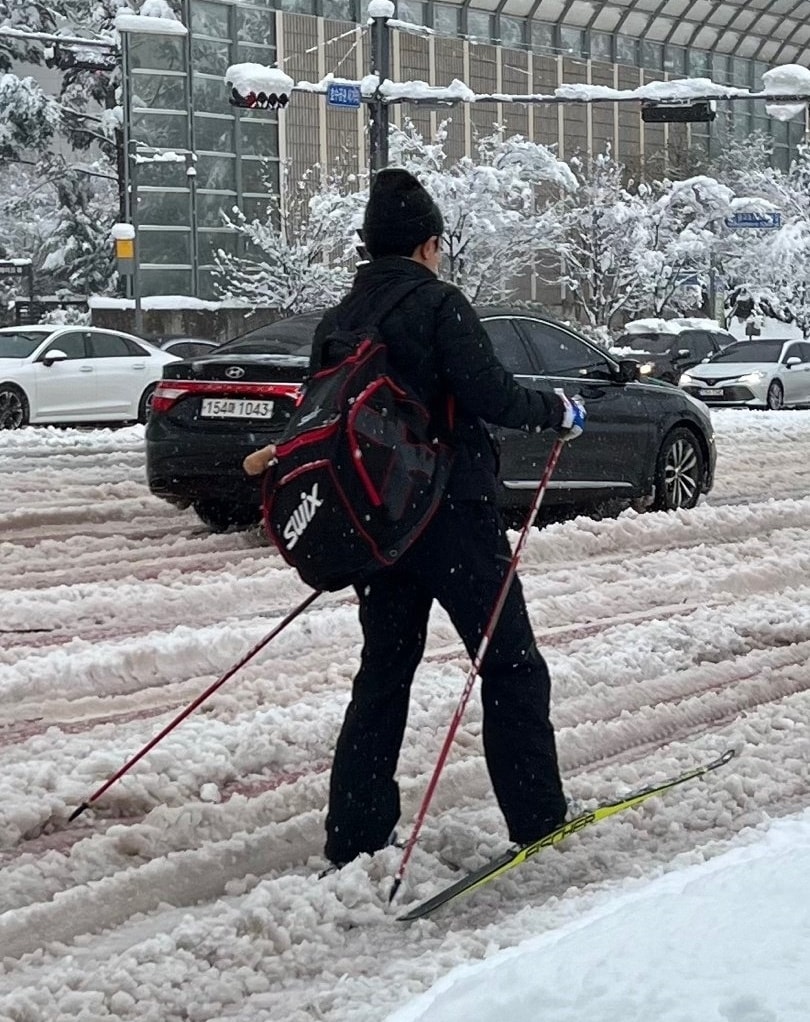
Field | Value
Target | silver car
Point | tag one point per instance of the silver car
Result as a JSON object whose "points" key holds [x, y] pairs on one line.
{"points": [[760, 374]]}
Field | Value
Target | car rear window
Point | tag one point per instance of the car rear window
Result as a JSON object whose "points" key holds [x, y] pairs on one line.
{"points": [[655, 343], [287, 337]]}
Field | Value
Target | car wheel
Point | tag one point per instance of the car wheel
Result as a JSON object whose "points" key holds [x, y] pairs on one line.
{"points": [[220, 516], [678, 471], [776, 396], [145, 403], [13, 407]]}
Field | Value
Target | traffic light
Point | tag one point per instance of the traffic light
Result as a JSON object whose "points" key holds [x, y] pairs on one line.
{"points": [[679, 112], [259, 100]]}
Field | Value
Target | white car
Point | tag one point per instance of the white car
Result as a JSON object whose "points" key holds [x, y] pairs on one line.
{"points": [[761, 374], [76, 374]]}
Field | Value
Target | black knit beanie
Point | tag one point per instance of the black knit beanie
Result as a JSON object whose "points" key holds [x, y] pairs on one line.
{"points": [[400, 215]]}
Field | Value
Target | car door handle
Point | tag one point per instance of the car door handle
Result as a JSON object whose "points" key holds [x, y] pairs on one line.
{"points": [[85, 369], [138, 365]]}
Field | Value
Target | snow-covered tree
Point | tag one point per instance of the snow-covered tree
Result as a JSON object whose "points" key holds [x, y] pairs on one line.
{"points": [[685, 225], [28, 118], [770, 269], [77, 252], [295, 257], [598, 231], [495, 216], [492, 206]]}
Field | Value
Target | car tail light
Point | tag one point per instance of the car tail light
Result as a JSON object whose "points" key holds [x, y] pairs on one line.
{"points": [[169, 392]]}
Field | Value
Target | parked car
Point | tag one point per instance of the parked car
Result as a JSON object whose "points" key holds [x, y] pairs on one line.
{"points": [[646, 441], [665, 348], [62, 374], [761, 374], [188, 347]]}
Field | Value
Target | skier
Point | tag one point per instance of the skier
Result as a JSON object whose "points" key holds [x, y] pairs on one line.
{"points": [[436, 343]]}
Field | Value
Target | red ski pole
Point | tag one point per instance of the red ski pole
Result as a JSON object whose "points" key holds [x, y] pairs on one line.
{"points": [[193, 706], [475, 667]]}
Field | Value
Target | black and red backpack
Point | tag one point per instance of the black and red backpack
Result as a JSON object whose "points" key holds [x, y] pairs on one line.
{"points": [[361, 467]]}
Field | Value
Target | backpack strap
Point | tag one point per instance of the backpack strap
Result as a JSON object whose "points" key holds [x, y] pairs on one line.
{"points": [[344, 337], [399, 294]]}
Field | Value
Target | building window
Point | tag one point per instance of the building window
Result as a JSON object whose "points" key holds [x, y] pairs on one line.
{"points": [[210, 19], [699, 64], [479, 26], [759, 70], [626, 50], [512, 32], [601, 46], [446, 20], [298, 6], [340, 10], [158, 53], [675, 60], [543, 37], [572, 40], [255, 26], [411, 11], [652, 55], [720, 69], [741, 72]]}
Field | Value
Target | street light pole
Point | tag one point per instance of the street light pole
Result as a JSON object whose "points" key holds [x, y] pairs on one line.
{"points": [[380, 11]]}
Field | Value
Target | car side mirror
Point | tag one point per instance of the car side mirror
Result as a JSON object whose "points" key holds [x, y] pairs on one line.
{"points": [[683, 353], [629, 370], [794, 360], [54, 355]]}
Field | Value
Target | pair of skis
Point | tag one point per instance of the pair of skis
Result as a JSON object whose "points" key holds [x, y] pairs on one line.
{"points": [[515, 856]]}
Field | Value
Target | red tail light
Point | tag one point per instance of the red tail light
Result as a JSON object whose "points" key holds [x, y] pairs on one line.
{"points": [[169, 392]]}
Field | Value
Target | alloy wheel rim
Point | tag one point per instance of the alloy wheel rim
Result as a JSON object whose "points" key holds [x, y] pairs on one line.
{"points": [[680, 474], [11, 410], [774, 397]]}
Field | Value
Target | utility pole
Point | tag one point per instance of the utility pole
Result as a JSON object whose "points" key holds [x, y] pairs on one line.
{"points": [[379, 11]]}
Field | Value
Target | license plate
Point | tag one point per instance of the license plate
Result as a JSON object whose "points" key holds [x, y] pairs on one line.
{"points": [[236, 408], [711, 392]]}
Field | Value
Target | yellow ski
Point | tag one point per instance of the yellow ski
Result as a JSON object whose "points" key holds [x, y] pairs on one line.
{"points": [[515, 856]]}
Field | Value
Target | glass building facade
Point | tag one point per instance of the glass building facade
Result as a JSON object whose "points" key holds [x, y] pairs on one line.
{"points": [[179, 100]]}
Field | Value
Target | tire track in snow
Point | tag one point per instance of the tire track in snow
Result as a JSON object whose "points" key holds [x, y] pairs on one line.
{"points": [[288, 926], [111, 900]]}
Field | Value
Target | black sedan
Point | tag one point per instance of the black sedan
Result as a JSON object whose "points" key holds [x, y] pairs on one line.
{"points": [[646, 443]]}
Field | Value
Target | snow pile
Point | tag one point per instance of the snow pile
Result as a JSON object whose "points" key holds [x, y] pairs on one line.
{"points": [[682, 89], [163, 23], [738, 927], [122, 232], [790, 79], [163, 302], [254, 78], [162, 156], [381, 9], [671, 326]]}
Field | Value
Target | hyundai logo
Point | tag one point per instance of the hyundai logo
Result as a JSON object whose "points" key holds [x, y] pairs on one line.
{"points": [[234, 372]]}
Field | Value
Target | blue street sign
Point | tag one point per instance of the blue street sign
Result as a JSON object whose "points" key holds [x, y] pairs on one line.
{"points": [[347, 96], [761, 221]]}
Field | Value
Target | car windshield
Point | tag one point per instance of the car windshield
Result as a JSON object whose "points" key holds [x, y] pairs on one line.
{"points": [[22, 344], [751, 351], [657, 344], [287, 337]]}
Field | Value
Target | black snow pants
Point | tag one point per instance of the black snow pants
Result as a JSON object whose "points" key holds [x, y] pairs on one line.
{"points": [[460, 561]]}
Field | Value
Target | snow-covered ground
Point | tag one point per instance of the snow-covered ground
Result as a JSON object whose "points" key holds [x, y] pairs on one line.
{"points": [[191, 891]]}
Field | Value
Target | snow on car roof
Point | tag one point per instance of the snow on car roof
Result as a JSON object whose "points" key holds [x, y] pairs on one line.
{"points": [[672, 326]]}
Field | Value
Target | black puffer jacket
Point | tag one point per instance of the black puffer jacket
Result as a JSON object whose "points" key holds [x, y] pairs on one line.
{"points": [[437, 345]]}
